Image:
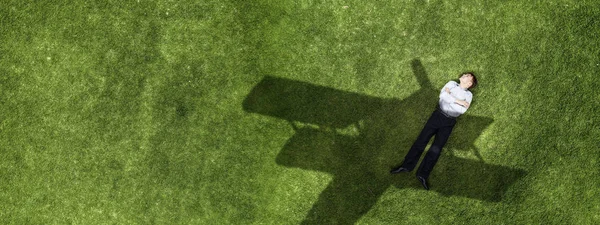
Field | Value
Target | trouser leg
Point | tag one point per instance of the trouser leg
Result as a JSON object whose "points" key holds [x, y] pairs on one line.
{"points": [[431, 158], [414, 154]]}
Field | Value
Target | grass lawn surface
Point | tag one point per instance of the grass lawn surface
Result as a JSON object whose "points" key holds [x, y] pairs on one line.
{"points": [[289, 112]]}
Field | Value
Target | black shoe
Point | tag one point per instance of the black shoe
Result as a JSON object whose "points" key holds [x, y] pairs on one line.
{"points": [[423, 182], [399, 170]]}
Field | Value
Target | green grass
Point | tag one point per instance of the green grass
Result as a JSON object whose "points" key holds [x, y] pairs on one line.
{"points": [[143, 112]]}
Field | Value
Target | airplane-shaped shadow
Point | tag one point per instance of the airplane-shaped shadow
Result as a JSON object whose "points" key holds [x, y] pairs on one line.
{"points": [[358, 138]]}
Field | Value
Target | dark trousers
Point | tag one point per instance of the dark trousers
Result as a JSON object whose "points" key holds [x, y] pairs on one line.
{"points": [[439, 125]]}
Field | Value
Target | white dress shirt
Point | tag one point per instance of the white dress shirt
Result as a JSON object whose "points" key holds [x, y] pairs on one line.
{"points": [[447, 100]]}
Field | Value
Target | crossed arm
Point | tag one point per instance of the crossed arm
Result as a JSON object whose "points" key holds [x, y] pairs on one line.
{"points": [[459, 105]]}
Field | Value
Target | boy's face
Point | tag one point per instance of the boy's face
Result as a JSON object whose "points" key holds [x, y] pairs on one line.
{"points": [[466, 79]]}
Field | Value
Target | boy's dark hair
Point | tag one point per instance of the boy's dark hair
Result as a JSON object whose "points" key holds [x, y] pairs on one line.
{"points": [[474, 79]]}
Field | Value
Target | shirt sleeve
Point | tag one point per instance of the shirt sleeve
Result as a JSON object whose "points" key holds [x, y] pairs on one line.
{"points": [[459, 108], [444, 96]]}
